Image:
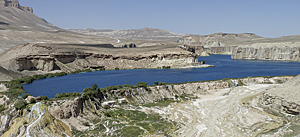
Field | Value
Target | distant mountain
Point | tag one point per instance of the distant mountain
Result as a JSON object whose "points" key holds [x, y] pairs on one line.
{"points": [[134, 34], [218, 39], [232, 39]]}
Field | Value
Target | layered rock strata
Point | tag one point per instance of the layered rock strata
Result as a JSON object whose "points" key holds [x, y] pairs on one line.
{"points": [[266, 52], [70, 61], [199, 50]]}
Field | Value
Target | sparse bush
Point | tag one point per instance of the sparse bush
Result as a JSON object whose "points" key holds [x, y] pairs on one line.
{"points": [[25, 122], [116, 68]]}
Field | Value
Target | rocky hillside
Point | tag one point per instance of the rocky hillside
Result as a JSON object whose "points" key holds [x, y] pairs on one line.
{"points": [[136, 34], [18, 26]]}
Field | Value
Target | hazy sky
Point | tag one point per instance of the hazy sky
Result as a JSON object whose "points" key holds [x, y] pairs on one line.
{"points": [[267, 18]]}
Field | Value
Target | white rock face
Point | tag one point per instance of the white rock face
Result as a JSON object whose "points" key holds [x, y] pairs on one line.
{"points": [[267, 52]]}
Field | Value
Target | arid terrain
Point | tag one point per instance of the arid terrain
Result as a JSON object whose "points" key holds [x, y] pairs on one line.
{"points": [[32, 48]]}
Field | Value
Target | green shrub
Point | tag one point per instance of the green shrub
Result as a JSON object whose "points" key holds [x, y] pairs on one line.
{"points": [[162, 83], [119, 86], [15, 86], [94, 87], [49, 75], [116, 68], [88, 70], [64, 94], [2, 108], [75, 94], [32, 100], [131, 86], [86, 124], [57, 74], [57, 95], [141, 84], [126, 85], [43, 97], [25, 122], [101, 69], [166, 67], [40, 76], [24, 96], [20, 105], [156, 82]]}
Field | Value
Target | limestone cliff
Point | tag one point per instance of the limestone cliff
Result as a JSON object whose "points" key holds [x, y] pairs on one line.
{"points": [[263, 51], [71, 61], [247, 45], [199, 50]]}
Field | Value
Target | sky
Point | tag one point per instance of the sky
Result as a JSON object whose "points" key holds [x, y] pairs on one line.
{"points": [[267, 18]]}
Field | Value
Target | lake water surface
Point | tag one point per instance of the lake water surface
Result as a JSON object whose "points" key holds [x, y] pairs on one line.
{"points": [[225, 68]]}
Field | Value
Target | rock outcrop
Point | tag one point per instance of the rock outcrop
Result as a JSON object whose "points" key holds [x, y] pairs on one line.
{"points": [[131, 45], [71, 61], [222, 50], [284, 98], [67, 109], [247, 46], [280, 51], [15, 4], [35, 62], [199, 50]]}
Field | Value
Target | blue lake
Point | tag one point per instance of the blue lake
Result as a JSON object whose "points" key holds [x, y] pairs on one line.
{"points": [[225, 68]]}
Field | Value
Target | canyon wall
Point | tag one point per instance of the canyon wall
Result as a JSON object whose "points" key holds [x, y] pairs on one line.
{"points": [[222, 50], [264, 51], [71, 61], [247, 46]]}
